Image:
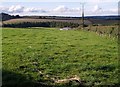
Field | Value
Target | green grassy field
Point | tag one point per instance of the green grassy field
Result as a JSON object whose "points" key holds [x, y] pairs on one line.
{"points": [[34, 57]]}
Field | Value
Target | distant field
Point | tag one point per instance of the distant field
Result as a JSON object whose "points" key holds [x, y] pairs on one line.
{"points": [[39, 20], [78, 21], [34, 57]]}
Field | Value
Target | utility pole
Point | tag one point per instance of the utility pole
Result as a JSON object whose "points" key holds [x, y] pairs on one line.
{"points": [[82, 5]]}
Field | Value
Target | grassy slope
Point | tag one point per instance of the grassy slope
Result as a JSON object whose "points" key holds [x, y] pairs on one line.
{"points": [[59, 54]]}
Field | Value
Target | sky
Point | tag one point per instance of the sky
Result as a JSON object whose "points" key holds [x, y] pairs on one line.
{"points": [[60, 7]]}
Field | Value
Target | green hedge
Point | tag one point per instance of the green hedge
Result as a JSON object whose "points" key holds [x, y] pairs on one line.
{"points": [[41, 24]]}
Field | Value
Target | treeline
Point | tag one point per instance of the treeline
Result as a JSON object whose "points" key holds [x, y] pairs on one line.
{"points": [[41, 24], [51, 17], [5, 16]]}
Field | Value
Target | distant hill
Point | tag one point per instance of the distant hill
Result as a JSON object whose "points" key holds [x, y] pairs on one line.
{"points": [[6, 16], [103, 20], [104, 17], [66, 18]]}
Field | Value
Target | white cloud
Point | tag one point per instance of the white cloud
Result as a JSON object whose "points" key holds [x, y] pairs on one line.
{"points": [[97, 8], [60, 9], [110, 11], [64, 9], [33, 10], [16, 8], [59, 0], [113, 10], [30, 10], [98, 11], [99, 1], [21, 9], [3, 9], [75, 9]]}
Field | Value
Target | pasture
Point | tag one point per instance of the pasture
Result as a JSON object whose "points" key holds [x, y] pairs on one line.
{"points": [[40, 56]]}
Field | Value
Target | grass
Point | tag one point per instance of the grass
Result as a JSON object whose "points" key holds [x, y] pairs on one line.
{"points": [[111, 31], [32, 56]]}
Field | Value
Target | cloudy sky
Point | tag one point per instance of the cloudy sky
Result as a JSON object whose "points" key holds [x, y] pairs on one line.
{"points": [[59, 7]]}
